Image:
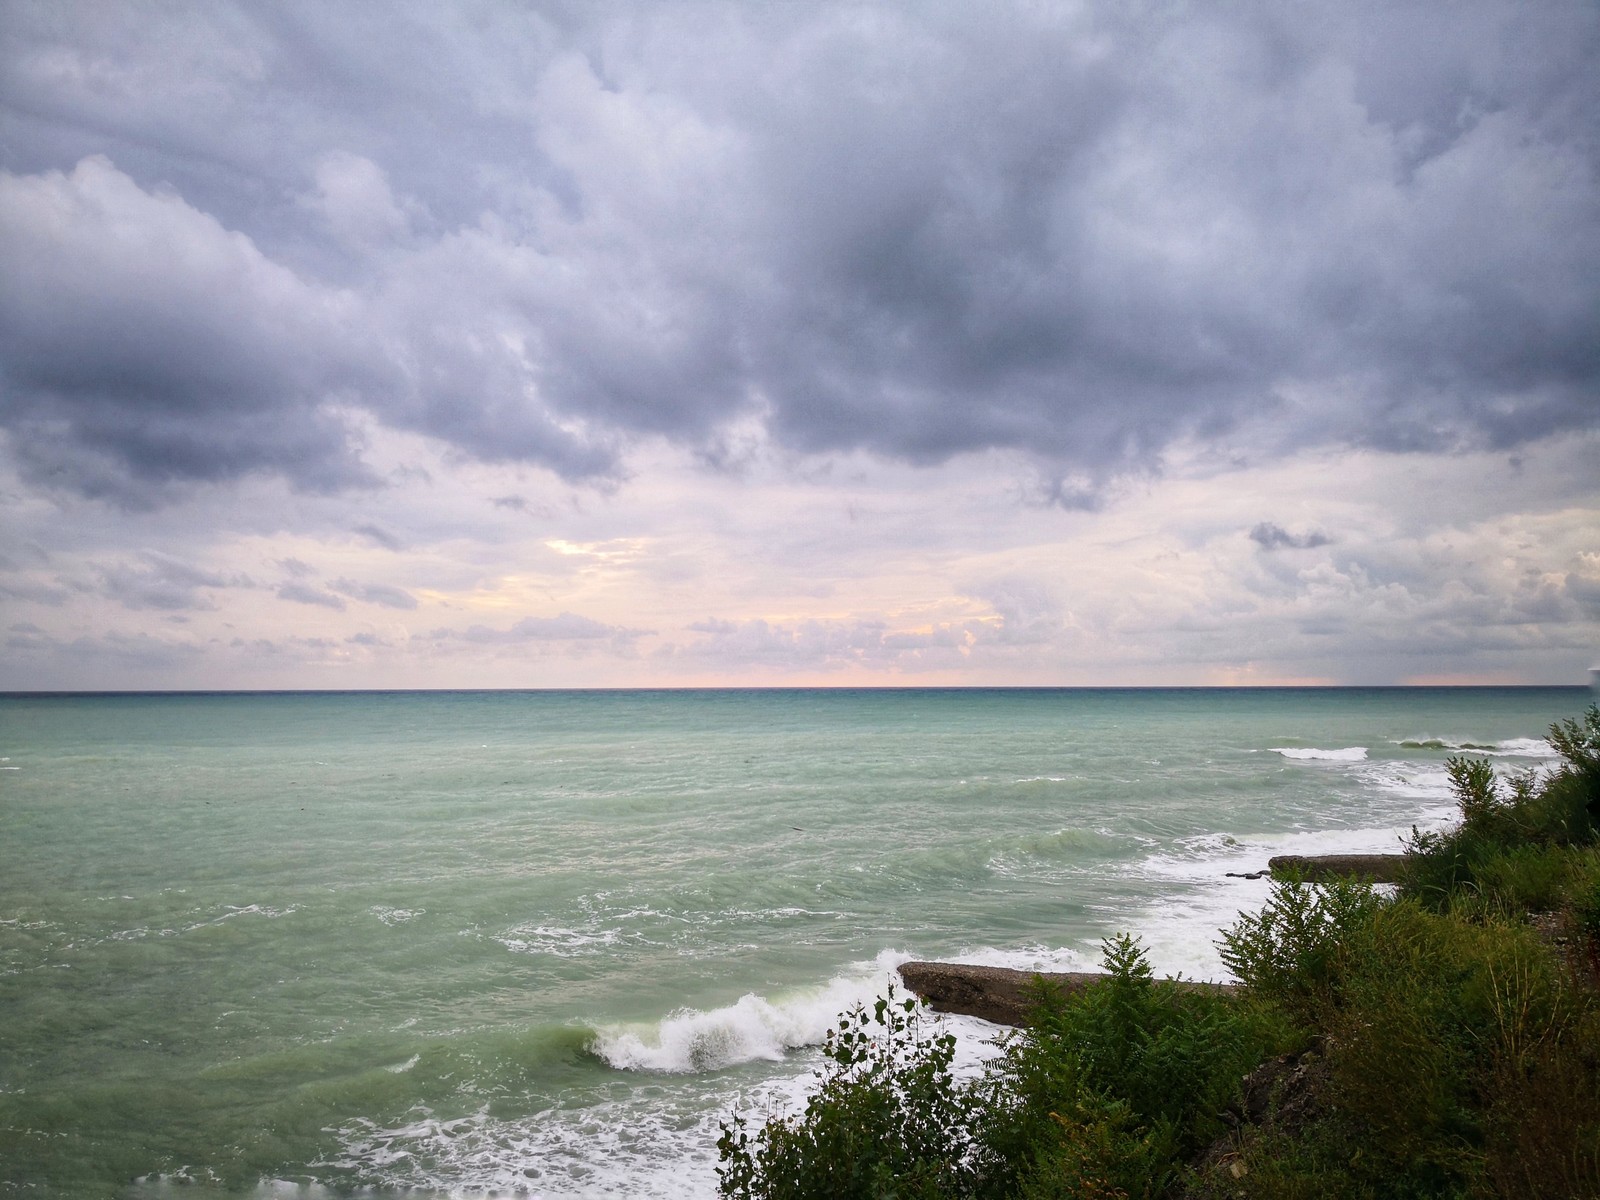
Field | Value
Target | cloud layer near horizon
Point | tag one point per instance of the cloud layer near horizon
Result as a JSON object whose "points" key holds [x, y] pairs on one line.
{"points": [[671, 264]]}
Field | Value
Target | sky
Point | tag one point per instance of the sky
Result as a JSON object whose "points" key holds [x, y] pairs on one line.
{"points": [[611, 344]]}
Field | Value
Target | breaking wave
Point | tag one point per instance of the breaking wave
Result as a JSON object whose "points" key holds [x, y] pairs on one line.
{"points": [[1523, 747], [1348, 754], [752, 1028]]}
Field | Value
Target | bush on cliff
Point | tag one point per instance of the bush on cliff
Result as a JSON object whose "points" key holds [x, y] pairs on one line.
{"points": [[1111, 1089], [1458, 1054], [1451, 1048], [1104, 1094], [1518, 838], [888, 1118]]}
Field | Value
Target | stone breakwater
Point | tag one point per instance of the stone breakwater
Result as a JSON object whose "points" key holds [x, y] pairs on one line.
{"points": [[1377, 868], [1000, 994]]}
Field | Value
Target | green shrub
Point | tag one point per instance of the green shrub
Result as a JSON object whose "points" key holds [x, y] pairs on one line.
{"points": [[1525, 878], [1454, 1062], [1565, 808], [1561, 810], [1113, 1087], [1294, 951], [1543, 1122], [1578, 743], [1318, 1163], [888, 1119], [1583, 896], [1097, 1148], [1401, 1049]]}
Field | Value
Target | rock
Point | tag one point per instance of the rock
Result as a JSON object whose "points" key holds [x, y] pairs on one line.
{"points": [[1378, 868], [1284, 1093], [1000, 994]]}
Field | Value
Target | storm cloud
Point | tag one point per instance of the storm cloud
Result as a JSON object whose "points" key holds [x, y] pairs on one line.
{"points": [[1275, 537], [234, 233], [538, 344]]}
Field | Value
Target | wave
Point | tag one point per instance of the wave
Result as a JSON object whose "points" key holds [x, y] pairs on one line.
{"points": [[270, 912], [1522, 747], [606, 931], [1072, 846], [1348, 754], [395, 916], [560, 941], [752, 1029]]}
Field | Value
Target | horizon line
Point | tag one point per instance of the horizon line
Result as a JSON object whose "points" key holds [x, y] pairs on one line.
{"points": [[32, 693]]}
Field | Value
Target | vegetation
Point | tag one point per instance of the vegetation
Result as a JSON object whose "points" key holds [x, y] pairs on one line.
{"points": [[1443, 1042], [1110, 1090], [888, 1119]]}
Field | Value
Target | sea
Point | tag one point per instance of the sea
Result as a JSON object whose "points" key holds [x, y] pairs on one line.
{"points": [[543, 943]]}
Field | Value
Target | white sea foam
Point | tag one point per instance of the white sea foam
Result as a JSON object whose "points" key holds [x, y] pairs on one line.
{"points": [[751, 1029], [1199, 898], [641, 1148], [561, 941], [395, 916], [1524, 748], [1411, 780], [269, 911], [1200, 877], [1312, 754], [1028, 958]]}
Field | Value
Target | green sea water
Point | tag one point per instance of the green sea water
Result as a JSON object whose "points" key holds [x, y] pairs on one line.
{"points": [[539, 943]]}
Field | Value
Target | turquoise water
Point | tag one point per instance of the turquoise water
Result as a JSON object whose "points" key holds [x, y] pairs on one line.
{"points": [[538, 943]]}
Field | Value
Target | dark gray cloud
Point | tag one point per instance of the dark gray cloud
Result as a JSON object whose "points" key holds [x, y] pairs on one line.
{"points": [[378, 535], [99, 654], [917, 230], [1275, 537], [34, 592], [375, 593], [827, 645], [564, 627], [159, 581], [142, 344], [1026, 616], [303, 593], [1585, 593]]}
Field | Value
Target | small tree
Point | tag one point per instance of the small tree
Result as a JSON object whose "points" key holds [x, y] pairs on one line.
{"points": [[888, 1119]]}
